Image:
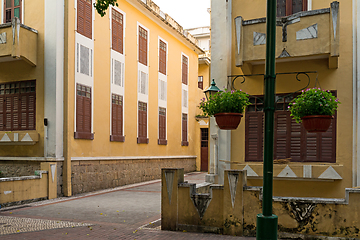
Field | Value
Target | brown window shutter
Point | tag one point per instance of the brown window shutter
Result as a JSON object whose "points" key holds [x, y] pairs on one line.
{"points": [[142, 123], [117, 31], [162, 126], [184, 70], [327, 142], [2, 112], [8, 112], [288, 7], [184, 141], [282, 135], [84, 18], [296, 141], [162, 57], [117, 119], [83, 112], [143, 46], [254, 131]]}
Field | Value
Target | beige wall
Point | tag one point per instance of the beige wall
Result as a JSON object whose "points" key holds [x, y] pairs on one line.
{"points": [[339, 79]]}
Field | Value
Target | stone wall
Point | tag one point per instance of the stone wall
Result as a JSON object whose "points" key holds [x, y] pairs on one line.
{"points": [[95, 175], [18, 168]]}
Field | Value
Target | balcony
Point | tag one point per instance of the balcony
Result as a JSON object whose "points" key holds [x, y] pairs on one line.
{"points": [[301, 36], [18, 42]]}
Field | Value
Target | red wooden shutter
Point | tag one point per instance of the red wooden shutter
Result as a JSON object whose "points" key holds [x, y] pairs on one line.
{"points": [[83, 112], [117, 119], [184, 141], [143, 46], [254, 132], [142, 123], [282, 135], [84, 18], [162, 57], [2, 113], [184, 70], [117, 31], [162, 126]]}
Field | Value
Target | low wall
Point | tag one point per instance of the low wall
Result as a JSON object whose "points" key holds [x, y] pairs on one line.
{"points": [[40, 186], [92, 175], [18, 168], [232, 208]]}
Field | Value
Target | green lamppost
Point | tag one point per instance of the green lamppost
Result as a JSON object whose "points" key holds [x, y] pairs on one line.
{"points": [[211, 90], [267, 222]]}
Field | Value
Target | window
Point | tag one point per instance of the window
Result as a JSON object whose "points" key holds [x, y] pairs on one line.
{"points": [[142, 123], [288, 7], [12, 9], [184, 70], [84, 59], [162, 126], [17, 106], [143, 83], [84, 17], [117, 31], [83, 112], [118, 73], [185, 98], [117, 118], [162, 90], [200, 82], [162, 57], [291, 140], [184, 141], [143, 35]]}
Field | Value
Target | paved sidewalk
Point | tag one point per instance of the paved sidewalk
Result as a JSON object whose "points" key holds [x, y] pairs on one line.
{"points": [[120, 213]]}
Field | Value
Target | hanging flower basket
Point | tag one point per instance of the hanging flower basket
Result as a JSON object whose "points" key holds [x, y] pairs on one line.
{"points": [[228, 121], [314, 108], [317, 123]]}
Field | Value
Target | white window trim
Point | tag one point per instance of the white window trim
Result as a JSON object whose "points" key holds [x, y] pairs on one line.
{"points": [[185, 86], [92, 15]]}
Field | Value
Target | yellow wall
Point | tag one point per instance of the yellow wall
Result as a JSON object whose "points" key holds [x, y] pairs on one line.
{"points": [[22, 71], [339, 79], [101, 146]]}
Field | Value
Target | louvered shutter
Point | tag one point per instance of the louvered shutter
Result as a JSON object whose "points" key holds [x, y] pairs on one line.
{"points": [[83, 112], [254, 132], [79, 113], [117, 118], [8, 113], [282, 135], [84, 18], [162, 57], [142, 46], [296, 141], [184, 130], [328, 143], [142, 122], [117, 31], [184, 70], [2, 113], [162, 126]]}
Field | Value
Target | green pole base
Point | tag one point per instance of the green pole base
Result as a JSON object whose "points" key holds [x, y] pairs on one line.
{"points": [[266, 227]]}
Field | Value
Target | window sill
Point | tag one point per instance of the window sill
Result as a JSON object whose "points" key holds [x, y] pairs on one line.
{"points": [[26, 137], [142, 140], [162, 142], [184, 143], [84, 135], [117, 138]]}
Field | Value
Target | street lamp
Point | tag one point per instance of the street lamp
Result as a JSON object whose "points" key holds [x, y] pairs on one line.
{"points": [[211, 90]]}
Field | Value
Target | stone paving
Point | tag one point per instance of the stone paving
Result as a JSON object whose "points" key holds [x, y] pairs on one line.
{"points": [[127, 212], [10, 225]]}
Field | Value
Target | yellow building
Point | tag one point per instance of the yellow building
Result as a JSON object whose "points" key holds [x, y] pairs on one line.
{"points": [[319, 37], [111, 100]]}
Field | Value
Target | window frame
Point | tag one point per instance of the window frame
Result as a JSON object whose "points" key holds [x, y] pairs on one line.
{"points": [[12, 8], [309, 147], [184, 129], [162, 126], [30, 105], [289, 7], [87, 29], [142, 122], [201, 83], [84, 103], [143, 43], [115, 25], [117, 118]]}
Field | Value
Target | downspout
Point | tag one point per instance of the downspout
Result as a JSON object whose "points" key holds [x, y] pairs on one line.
{"points": [[67, 154], [356, 100]]}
